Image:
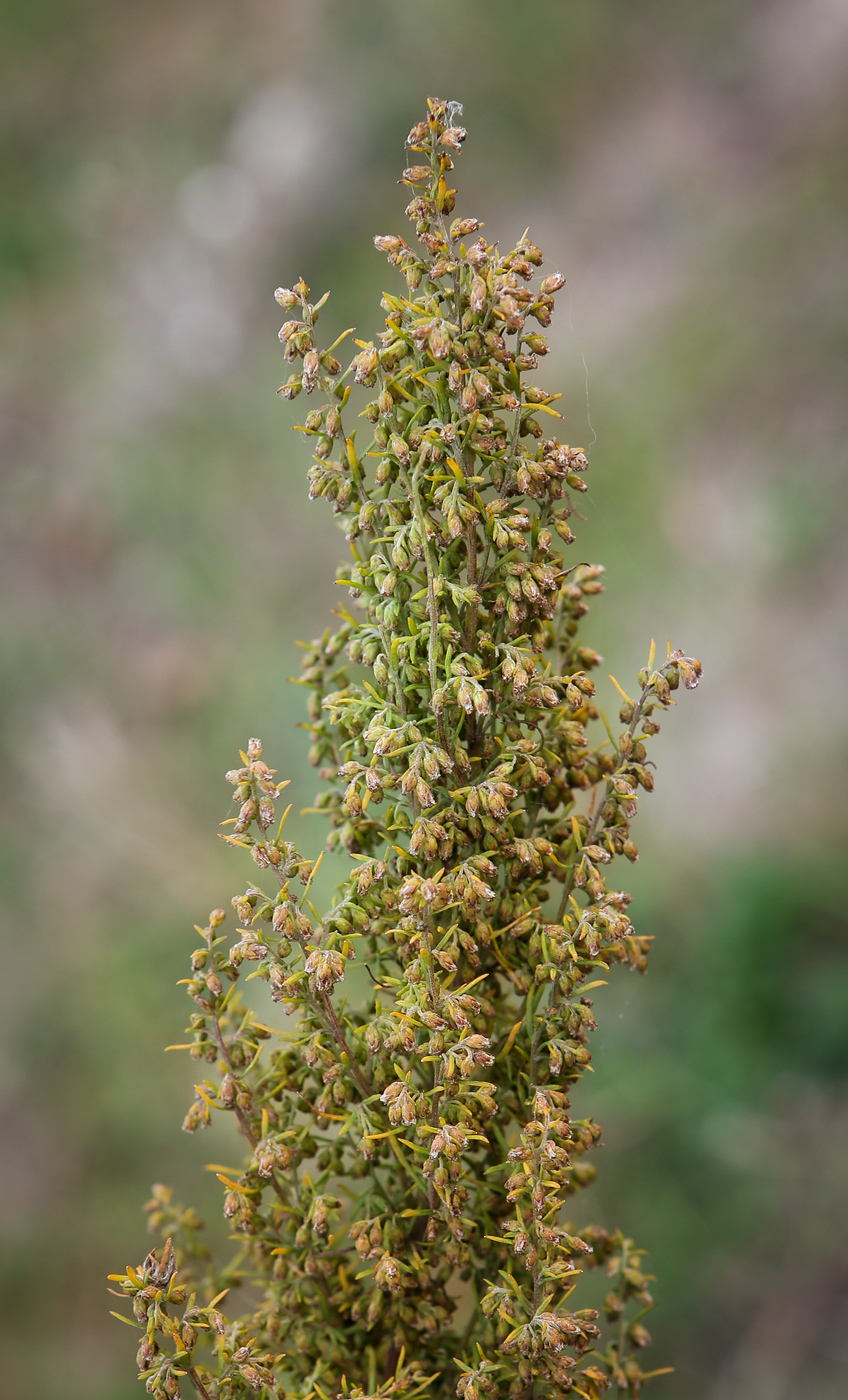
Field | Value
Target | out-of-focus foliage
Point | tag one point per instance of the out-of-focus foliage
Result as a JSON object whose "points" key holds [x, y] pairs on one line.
{"points": [[730, 1143], [162, 165]]}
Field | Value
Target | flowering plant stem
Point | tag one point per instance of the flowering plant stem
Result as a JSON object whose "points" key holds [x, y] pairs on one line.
{"points": [[399, 1222]]}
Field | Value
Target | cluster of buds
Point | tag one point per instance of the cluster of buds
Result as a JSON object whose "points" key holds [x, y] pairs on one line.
{"points": [[255, 790], [416, 1120]]}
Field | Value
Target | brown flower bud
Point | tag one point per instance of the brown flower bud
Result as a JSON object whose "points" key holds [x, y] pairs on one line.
{"points": [[390, 243], [387, 1275]]}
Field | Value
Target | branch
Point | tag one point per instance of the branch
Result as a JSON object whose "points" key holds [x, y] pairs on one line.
{"points": [[198, 1384], [341, 1040], [594, 828]]}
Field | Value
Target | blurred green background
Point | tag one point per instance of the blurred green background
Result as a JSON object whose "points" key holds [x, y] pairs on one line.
{"points": [[163, 167]]}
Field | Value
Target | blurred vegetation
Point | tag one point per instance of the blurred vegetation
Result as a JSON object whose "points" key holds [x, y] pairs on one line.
{"points": [[164, 166]]}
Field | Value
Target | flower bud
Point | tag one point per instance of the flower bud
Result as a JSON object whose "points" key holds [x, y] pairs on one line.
{"points": [[416, 175], [389, 243], [400, 449], [292, 387], [387, 1275], [454, 137], [366, 364]]}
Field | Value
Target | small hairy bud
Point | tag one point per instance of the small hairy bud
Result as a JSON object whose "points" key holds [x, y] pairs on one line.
{"points": [[326, 967]]}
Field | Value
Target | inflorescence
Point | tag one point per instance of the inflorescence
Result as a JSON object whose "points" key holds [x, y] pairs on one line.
{"points": [[400, 1220]]}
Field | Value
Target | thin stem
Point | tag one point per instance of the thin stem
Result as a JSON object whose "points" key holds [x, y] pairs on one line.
{"points": [[434, 986], [537, 1267], [471, 622], [433, 645], [534, 1053], [241, 1116], [341, 1041], [244, 1121], [622, 1326], [198, 1384], [333, 1020], [435, 1002], [594, 829]]}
